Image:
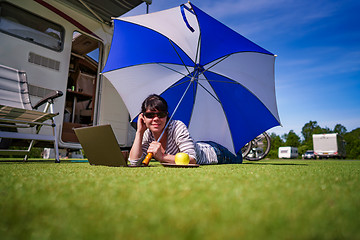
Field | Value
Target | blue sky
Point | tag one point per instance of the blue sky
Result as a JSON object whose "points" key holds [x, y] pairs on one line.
{"points": [[317, 71]]}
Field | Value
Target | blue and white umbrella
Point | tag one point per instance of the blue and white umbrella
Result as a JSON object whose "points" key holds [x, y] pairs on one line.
{"points": [[227, 81]]}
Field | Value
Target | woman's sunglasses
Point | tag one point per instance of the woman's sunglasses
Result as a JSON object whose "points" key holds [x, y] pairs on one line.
{"points": [[154, 114]]}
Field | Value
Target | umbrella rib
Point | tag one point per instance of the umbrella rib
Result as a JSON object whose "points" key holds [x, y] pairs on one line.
{"points": [[208, 91], [179, 56], [198, 49], [233, 82], [178, 84], [222, 59], [173, 70]]}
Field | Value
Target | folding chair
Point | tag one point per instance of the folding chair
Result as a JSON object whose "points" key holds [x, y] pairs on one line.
{"points": [[17, 112]]}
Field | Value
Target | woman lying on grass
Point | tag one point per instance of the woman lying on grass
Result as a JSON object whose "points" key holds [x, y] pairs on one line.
{"points": [[176, 138]]}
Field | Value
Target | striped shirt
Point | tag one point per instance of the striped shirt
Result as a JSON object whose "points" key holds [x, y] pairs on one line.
{"points": [[179, 140]]}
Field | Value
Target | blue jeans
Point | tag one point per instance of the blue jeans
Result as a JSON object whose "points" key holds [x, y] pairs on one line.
{"points": [[224, 156]]}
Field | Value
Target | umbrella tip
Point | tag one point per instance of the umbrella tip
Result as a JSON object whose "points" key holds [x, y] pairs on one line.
{"points": [[190, 5]]}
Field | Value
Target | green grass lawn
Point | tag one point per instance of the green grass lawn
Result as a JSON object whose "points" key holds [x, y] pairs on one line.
{"points": [[270, 199]]}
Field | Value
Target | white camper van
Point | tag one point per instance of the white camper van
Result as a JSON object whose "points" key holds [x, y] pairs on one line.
{"points": [[288, 152], [63, 45], [330, 145]]}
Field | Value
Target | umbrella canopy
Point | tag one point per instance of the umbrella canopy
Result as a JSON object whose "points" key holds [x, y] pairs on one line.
{"points": [[228, 80]]}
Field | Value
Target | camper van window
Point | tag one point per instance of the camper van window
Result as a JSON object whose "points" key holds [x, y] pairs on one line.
{"points": [[27, 26]]}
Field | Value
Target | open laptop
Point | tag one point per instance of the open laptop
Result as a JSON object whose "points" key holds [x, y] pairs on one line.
{"points": [[100, 146]]}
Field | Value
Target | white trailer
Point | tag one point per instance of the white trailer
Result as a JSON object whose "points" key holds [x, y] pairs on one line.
{"points": [[63, 45], [329, 145], [288, 152]]}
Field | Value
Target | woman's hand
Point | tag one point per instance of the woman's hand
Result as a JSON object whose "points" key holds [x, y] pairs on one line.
{"points": [[159, 154], [157, 151], [136, 149], [141, 126]]}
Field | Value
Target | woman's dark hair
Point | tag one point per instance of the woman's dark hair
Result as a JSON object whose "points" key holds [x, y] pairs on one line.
{"points": [[154, 102]]}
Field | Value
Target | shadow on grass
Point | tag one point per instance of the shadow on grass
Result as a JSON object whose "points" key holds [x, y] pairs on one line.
{"points": [[276, 164], [42, 161], [66, 161]]}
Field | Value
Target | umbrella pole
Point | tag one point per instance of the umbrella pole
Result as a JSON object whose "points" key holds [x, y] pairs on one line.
{"points": [[149, 155]]}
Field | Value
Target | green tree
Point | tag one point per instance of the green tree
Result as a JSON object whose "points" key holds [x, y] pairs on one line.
{"points": [[352, 146], [303, 148], [340, 129], [309, 129], [324, 130], [276, 142], [291, 139]]}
